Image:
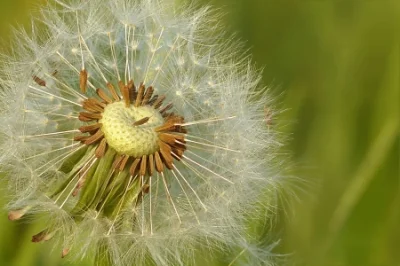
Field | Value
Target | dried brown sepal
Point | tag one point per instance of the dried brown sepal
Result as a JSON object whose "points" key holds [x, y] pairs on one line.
{"points": [[151, 164], [84, 119], [90, 128], [152, 100], [157, 103], [168, 126], [132, 91], [64, 252], [81, 138], [178, 153], [83, 77], [101, 149], [142, 170], [180, 145], [167, 116], [86, 116], [142, 121], [123, 162], [165, 151], [171, 139], [42, 236], [125, 95], [117, 161], [147, 95], [39, 81], [131, 84], [97, 102], [94, 138], [166, 108], [172, 124], [91, 106], [177, 119], [103, 95], [134, 166], [16, 215], [140, 94], [146, 188], [159, 164], [113, 92], [180, 129]]}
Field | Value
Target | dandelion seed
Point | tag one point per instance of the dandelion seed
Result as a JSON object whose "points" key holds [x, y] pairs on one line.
{"points": [[134, 128]]}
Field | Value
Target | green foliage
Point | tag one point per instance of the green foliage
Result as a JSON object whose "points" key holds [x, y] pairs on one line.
{"points": [[337, 65]]}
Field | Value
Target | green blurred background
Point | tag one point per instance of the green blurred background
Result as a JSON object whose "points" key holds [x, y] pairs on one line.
{"points": [[335, 67]]}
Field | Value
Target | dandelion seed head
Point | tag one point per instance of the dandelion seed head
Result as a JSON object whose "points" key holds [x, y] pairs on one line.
{"points": [[136, 129]]}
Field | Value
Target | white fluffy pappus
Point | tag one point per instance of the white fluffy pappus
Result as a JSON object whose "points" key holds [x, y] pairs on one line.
{"points": [[178, 167]]}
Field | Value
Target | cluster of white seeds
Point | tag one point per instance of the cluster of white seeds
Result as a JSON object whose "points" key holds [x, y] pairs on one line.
{"points": [[137, 130]]}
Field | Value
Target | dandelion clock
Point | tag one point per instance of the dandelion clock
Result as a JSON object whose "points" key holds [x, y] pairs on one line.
{"points": [[136, 130]]}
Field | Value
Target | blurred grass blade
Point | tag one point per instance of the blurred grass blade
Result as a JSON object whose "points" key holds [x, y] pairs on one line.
{"points": [[363, 177]]}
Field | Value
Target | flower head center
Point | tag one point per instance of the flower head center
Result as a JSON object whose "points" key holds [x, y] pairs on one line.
{"points": [[135, 124], [131, 130]]}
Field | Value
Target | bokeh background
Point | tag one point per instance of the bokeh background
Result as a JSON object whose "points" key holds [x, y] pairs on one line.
{"points": [[335, 69]]}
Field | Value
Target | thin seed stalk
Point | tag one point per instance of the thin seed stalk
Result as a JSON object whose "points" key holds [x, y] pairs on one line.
{"points": [[103, 256]]}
